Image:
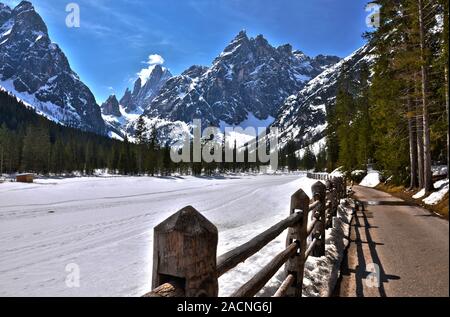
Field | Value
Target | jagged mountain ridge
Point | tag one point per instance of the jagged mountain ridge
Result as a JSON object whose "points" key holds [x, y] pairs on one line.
{"points": [[303, 116], [250, 76], [120, 116], [111, 107], [38, 72], [144, 92]]}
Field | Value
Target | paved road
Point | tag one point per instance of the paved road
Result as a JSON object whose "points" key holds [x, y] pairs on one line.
{"points": [[407, 243]]}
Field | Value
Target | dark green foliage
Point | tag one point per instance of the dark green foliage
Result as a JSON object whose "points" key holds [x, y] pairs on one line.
{"points": [[308, 161], [370, 120], [31, 143]]}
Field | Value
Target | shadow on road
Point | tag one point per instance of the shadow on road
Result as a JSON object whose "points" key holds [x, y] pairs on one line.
{"points": [[366, 249], [387, 203]]}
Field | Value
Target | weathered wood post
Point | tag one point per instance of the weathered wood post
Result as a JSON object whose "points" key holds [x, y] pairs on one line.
{"points": [[336, 197], [185, 252], [330, 201], [337, 185], [319, 193], [344, 187], [296, 265]]}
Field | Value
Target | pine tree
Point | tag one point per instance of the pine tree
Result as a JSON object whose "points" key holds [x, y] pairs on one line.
{"points": [[292, 161], [141, 140], [309, 159]]}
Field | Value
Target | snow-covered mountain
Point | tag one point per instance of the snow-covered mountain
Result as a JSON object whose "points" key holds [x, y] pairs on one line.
{"points": [[249, 78], [145, 90], [251, 83], [303, 116], [120, 116], [36, 71]]}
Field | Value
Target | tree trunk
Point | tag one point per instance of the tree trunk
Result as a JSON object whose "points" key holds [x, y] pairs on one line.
{"points": [[412, 146], [446, 107], [419, 137], [1, 161], [428, 181]]}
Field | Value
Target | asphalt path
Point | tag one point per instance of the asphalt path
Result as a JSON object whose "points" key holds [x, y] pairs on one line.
{"points": [[396, 250]]}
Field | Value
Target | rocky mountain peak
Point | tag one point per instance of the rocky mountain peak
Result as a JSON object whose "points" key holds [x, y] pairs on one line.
{"points": [[137, 86], [249, 78], [27, 19], [195, 71], [38, 72], [24, 6], [285, 49], [111, 106], [5, 12], [145, 90], [260, 40], [242, 36]]}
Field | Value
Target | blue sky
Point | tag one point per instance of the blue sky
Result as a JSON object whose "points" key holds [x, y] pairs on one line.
{"points": [[116, 37]]}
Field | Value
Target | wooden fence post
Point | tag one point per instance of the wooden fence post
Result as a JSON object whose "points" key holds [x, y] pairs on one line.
{"points": [[319, 194], [185, 253], [344, 187], [337, 198], [296, 265]]}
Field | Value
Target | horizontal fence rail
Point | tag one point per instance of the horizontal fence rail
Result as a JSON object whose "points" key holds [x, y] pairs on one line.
{"points": [[185, 262]]}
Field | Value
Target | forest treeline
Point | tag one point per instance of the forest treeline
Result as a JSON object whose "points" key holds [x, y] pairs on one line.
{"points": [[32, 143], [396, 114]]}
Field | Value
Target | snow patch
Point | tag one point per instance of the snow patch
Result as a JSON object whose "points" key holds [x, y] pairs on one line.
{"points": [[420, 194], [372, 179], [339, 172], [436, 197]]}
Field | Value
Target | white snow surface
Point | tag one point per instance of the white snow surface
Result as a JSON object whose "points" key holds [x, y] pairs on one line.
{"points": [[48, 110], [339, 172], [439, 170], [105, 226], [371, 180], [436, 197], [419, 194], [316, 148]]}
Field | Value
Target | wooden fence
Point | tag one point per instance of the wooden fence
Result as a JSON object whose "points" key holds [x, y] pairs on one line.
{"points": [[185, 262]]}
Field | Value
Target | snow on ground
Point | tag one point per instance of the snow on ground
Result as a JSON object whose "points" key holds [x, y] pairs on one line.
{"points": [[372, 179], [419, 194], [338, 172], [105, 226], [439, 170], [321, 274], [436, 197]]}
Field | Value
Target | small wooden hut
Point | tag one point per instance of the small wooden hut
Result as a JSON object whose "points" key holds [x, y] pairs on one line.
{"points": [[25, 178]]}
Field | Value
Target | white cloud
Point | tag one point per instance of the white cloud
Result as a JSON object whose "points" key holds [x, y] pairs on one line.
{"points": [[153, 59]]}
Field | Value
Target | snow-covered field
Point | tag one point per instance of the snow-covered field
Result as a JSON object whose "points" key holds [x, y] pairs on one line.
{"points": [[105, 226]]}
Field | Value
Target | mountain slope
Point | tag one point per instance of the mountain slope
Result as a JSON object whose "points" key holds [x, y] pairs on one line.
{"points": [[250, 77], [37, 71], [303, 116]]}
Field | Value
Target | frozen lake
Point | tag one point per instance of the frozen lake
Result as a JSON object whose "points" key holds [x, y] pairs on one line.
{"points": [[105, 226]]}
